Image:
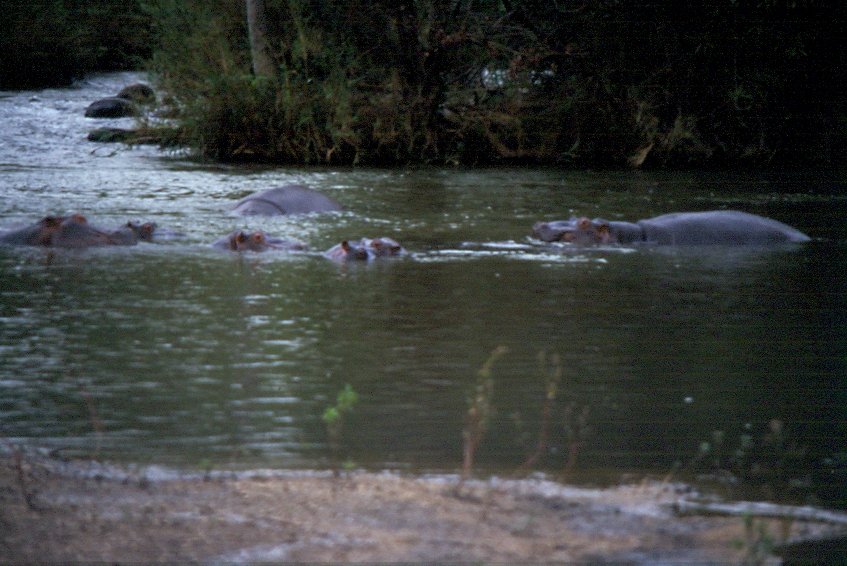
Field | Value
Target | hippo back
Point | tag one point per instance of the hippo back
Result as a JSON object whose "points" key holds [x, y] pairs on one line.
{"points": [[718, 227], [290, 199]]}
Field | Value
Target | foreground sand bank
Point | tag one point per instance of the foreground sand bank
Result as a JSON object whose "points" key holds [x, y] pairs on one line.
{"points": [[57, 511]]}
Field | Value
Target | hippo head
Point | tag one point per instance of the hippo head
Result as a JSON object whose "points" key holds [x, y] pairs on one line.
{"points": [[143, 231], [48, 226], [365, 249], [576, 230], [381, 247], [348, 251], [354, 250], [254, 241]]}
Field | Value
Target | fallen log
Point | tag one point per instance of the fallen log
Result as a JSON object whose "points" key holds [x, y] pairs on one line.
{"points": [[763, 510]]}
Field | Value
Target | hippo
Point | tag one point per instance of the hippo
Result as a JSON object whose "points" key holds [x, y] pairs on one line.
{"points": [[111, 107], [67, 232], [290, 199], [714, 227], [74, 231], [365, 249], [240, 241]]}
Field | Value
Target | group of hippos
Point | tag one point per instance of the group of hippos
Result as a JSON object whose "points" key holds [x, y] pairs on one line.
{"points": [[74, 231], [717, 227]]}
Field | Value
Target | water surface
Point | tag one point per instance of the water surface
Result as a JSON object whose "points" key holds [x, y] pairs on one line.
{"points": [[178, 353]]}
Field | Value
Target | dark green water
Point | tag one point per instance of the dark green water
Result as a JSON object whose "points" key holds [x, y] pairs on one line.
{"points": [[177, 353]]}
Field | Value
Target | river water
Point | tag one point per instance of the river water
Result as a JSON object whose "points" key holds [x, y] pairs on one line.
{"points": [[180, 354]]}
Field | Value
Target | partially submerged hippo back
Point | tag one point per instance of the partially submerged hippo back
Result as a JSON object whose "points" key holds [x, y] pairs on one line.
{"points": [[290, 199], [74, 231], [716, 227], [58, 231]]}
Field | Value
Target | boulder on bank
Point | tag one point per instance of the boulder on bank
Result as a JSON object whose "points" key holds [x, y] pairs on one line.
{"points": [[111, 107], [139, 93]]}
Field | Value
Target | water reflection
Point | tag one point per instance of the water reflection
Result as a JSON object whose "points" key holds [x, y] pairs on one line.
{"points": [[179, 353]]}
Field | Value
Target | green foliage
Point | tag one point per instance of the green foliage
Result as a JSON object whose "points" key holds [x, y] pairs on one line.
{"points": [[344, 403], [540, 81], [333, 417], [57, 41]]}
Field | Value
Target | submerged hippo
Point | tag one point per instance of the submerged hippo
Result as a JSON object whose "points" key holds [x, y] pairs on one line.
{"points": [[290, 199], [68, 232], [365, 249], [240, 241], [715, 227]]}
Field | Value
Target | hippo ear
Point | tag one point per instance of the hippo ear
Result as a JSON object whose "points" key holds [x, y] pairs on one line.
{"points": [[79, 218], [604, 234], [51, 221], [148, 228], [258, 238], [237, 239], [345, 246], [584, 223]]}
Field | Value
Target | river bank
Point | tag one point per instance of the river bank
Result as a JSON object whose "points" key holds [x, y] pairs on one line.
{"points": [[52, 511]]}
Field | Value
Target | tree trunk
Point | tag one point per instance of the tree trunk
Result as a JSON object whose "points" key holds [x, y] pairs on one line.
{"points": [[257, 26]]}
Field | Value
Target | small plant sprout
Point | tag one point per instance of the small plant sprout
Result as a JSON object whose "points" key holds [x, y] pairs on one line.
{"points": [[333, 418], [479, 411], [551, 369]]}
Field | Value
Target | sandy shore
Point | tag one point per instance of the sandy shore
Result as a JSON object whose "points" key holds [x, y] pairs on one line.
{"points": [[53, 511]]}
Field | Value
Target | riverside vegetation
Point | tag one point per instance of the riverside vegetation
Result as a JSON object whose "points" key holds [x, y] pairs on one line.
{"points": [[543, 82], [460, 82]]}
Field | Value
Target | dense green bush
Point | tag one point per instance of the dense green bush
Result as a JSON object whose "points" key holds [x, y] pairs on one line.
{"points": [[500, 81], [53, 42]]}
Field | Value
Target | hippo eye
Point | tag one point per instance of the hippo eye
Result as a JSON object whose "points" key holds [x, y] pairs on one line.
{"points": [[258, 237]]}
